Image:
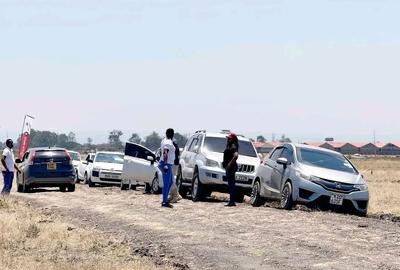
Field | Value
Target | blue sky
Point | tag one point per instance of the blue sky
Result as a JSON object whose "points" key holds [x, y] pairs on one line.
{"points": [[309, 69]]}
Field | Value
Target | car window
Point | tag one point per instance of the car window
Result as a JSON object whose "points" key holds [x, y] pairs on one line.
{"points": [[188, 144], [193, 144], [276, 154], [218, 145], [288, 154], [110, 158], [137, 151]]}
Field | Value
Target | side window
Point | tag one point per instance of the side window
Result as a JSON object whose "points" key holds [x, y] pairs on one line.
{"points": [[193, 144], [276, 154], [288, 154], [188, 143], [134, 150]]}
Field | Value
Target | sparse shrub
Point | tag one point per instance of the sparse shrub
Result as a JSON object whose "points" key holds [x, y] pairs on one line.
{"points": [[32, 231]]}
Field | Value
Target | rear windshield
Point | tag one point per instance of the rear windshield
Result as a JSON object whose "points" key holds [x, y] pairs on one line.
{"points": [[50, 154], [215, 144], [325, 160], [75, 156], [110, 158]]}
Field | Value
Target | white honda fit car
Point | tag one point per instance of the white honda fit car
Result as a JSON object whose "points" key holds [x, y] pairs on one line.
{"points": [[106, 168], [296, 173]]}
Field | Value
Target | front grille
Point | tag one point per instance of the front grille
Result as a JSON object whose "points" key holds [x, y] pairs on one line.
{"points": [[362, 204], [246, 168], [305, 194], [336, 186], [110, 180]]}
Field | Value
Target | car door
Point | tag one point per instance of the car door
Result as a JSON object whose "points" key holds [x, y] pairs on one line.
{"points": [[270, 166], [186, 157], [192, 157], [277, 177], [137, 167], [22, 167]]}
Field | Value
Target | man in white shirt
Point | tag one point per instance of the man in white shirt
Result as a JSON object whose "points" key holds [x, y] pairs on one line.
{"points": [[8, 167], [166, 164]]}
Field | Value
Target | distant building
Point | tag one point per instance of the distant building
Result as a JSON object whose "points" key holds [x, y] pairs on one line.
{"points": [[265, 148], [391, 149]]}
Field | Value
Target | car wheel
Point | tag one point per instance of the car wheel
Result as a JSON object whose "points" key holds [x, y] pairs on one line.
{"points": [[239, 198], [90, 183], [197, 188], [63, 188], [256, 199], [133, 187], [287, 196], [147, 188], [77, 181], [155, 186], [85, 179], [71, 188], [124, 186], [26, 188], [183, 191], [20, 188]]}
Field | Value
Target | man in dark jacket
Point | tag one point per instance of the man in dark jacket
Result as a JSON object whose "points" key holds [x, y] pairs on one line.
{"points": [[231, 156]]}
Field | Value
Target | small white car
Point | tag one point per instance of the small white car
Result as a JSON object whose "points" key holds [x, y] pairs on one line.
{"points": [[76, 162], [84, 169], [106, 168], [140, 166]]}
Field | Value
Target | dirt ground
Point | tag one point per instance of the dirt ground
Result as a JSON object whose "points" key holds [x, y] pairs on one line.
{"points": [[207, 235]]}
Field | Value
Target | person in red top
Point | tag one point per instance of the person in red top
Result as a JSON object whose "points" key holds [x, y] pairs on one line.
{"points": [[231, 155]]}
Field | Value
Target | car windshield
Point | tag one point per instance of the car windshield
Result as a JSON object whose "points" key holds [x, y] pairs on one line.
{"points": [[215, 144], [75, 156], [325, 160], [110, 158]]}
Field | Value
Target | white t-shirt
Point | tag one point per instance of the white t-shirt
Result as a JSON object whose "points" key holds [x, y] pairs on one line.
{"points": [[167, 144], [8, 153]]}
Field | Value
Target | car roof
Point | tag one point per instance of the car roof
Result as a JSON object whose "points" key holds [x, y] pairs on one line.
{"points": [[47, 148], [224, 135], [305, 146], [75, 152], [108, 152]]}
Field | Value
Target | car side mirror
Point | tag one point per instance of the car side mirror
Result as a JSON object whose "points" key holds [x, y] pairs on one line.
{"points": [[90, 161], [18, 161], [150, 158], [283, 161]]}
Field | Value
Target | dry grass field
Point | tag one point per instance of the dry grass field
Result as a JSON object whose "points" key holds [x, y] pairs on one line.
{"points": [[30, 240], [383, 177]]}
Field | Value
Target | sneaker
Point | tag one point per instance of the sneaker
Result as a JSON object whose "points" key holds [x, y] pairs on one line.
{"points": [[230, 205], [167, 205]]}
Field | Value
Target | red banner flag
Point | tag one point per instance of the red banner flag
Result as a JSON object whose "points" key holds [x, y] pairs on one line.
{"points": [[25, 136]]}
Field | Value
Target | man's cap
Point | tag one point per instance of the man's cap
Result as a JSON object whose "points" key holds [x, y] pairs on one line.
{"points": [[232, 136]]}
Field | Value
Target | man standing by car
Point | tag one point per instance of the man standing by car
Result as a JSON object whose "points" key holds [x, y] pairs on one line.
{"points": [[174, 193], [8, 167], [166, 164], [230, 165]]}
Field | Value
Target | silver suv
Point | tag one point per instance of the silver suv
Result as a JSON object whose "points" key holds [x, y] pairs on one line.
{"points": [[200, 168]]}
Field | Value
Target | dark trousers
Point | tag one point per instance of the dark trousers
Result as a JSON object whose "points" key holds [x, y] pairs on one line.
{"points": [[231, 177], [8, 181]]}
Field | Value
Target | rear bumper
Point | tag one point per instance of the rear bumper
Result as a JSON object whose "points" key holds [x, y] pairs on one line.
{"points": [[56, 181], [309, 192]]}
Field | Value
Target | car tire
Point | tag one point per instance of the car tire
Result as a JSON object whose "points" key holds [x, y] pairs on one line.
{"points": [[155, 186], [132, 187], [287, 196], [147, 188], [183, 191], [90, 183], [20, 188], [63, 188], [26, 188], [239, 198], [124, 186], [256, 199], [197, 188], [77, 181], [71, 188], [85, 179]]}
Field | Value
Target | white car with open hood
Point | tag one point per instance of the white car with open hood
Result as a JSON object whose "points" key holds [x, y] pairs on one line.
{"points": [[141, 166]]}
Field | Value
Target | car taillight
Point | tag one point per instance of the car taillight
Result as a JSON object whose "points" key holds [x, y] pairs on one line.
{"points": [[32, 158], [69, 159]]}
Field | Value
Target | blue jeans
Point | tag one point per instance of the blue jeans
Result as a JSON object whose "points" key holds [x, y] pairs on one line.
{"points": [[8, 181], [167, 179]]}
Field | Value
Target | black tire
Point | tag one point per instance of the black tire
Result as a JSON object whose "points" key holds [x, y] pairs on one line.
{"points": [[133, 187], [147, 188], [20, 188], [71, 188], [256, 199], [239, 198], [26, 188], [197, 188], [124, 186], [77, 181], [155, 186], [85, 180], [90, 183], [287, 196], [63, 188], [183, 191]]}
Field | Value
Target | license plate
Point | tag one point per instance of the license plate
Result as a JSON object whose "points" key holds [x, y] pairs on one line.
{"points": [[111, 176], [336, 199], [51, 166], [241, 178]]}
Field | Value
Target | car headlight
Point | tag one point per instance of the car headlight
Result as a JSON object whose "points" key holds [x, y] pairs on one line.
{"points": [[306, 176], [362, 187], [212, 163]]}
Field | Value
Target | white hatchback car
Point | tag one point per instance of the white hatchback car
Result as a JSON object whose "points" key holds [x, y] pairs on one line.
{"points": [[140, 166], [106, 168]]}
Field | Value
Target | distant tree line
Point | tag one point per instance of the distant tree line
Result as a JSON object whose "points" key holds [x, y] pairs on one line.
{"points": [[114, 143]]}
